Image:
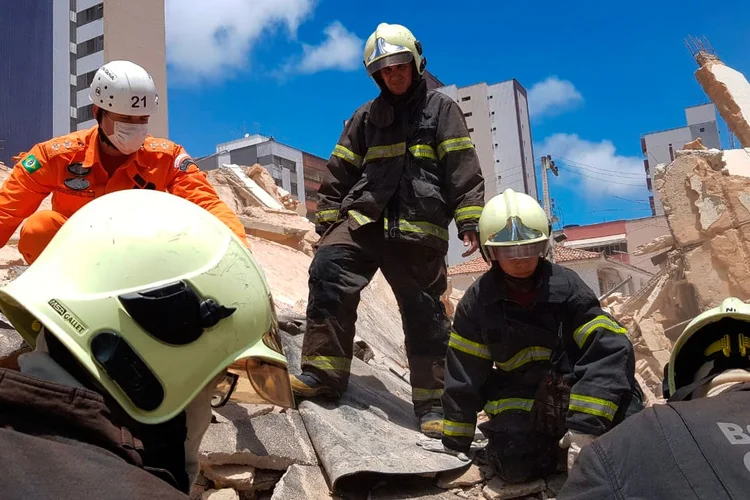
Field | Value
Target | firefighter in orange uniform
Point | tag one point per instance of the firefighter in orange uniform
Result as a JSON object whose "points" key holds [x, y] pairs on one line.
{"points": [[116, 154]]}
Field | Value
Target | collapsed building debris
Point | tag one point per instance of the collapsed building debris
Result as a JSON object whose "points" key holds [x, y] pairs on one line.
{"points": [[726, 87], [265, 210], [254, 450]]}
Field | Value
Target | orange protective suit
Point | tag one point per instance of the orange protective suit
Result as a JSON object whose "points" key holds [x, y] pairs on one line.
{"points": [[69, 168]]}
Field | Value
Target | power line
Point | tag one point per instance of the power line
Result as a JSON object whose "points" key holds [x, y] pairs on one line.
{"points": [[626, 175], [582, 173], [603, 170]]}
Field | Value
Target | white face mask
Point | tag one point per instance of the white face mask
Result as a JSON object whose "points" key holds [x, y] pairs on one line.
{"points": [[128, 137]]}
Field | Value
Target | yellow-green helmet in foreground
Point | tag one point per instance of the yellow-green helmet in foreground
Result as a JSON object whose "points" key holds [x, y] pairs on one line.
{"points": [[513, 225], [714, 341], [154, 296], [392, 44]]}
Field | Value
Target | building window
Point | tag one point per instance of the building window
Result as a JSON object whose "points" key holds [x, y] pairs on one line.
{"points": [[90, 15], [85, 113], [494, 128], [90, 46], [671, 153], [703, 129], [294, 189], [464, 99], [311, 194], [468, 114], [285, 163], [84, 81], [471, 130]]}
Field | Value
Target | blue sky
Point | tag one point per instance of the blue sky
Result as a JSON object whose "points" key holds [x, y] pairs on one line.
{"points": [[598, 75]]}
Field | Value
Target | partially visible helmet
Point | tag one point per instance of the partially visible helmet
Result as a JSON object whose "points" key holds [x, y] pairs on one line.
{"points": [[392, 44], [513, 225], [715, 341], [125, 88], [154, 297]]}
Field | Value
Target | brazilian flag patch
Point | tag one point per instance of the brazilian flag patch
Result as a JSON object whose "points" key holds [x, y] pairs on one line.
{"points": [[31, 164]]}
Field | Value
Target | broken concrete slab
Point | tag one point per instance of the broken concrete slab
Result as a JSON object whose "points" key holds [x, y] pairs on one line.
{"points": [[497, 489], [663, 242], [462, 477], [266, 480], [274, 441], [729, 90], [300, 482], [239, 477], [224, 494]]}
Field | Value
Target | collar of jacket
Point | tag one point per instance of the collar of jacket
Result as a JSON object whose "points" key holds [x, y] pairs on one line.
{"points": [[56, 411], [387, 107], [497, 288]]}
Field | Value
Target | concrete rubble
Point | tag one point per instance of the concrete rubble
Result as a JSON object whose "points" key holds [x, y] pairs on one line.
{"points": [[254, 450], [729, 90]]}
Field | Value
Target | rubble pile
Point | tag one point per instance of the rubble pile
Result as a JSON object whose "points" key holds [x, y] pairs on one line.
{"points": [[704, 259], [265, 210]]}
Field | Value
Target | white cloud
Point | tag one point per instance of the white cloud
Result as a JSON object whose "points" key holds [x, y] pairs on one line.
{"points": [[340, 50], [552, 97], [209, 40], [595, 166]]}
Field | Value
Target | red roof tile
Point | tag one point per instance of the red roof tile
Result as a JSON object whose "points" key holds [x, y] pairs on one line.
{"points": [[562, 254]]}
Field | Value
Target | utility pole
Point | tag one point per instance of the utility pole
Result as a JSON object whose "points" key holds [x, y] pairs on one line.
{"points": [[548, 164]]}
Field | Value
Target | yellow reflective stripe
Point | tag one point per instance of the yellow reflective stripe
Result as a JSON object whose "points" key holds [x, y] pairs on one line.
{"points": [[459, 343], [361, 218], [593, 406], [582, 332], [419, 394], [424, 228], [388, 151], [457, 429], [327, 215], [456, 144], [328, 363], [348, 155], [501, 405], [470, 212], [423, 151], [524, 356]]}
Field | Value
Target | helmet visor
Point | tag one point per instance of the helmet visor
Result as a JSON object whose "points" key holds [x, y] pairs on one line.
{"points": [[387, 54], [267, 379], [517, 251], [515, 231]]}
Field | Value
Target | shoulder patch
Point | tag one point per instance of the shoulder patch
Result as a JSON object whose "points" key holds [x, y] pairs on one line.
{"points": [[183, 162], [31, 164], [157, 145], [71, 143]]}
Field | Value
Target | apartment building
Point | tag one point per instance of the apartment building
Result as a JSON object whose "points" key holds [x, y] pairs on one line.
{"points": [[45, 92], [659, 147]]}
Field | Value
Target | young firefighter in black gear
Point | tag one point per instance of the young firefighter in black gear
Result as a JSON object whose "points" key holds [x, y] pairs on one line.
{"points": [[531, 345], [698, 444], [125, 343], [403, 167]]}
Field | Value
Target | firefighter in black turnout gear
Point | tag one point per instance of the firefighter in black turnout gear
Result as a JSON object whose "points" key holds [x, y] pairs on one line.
{"points": [[698, 444], [532, 347], [404, 166]]}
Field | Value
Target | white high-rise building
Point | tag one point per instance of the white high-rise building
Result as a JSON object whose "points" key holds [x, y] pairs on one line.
{"points": [[498, 120]]}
